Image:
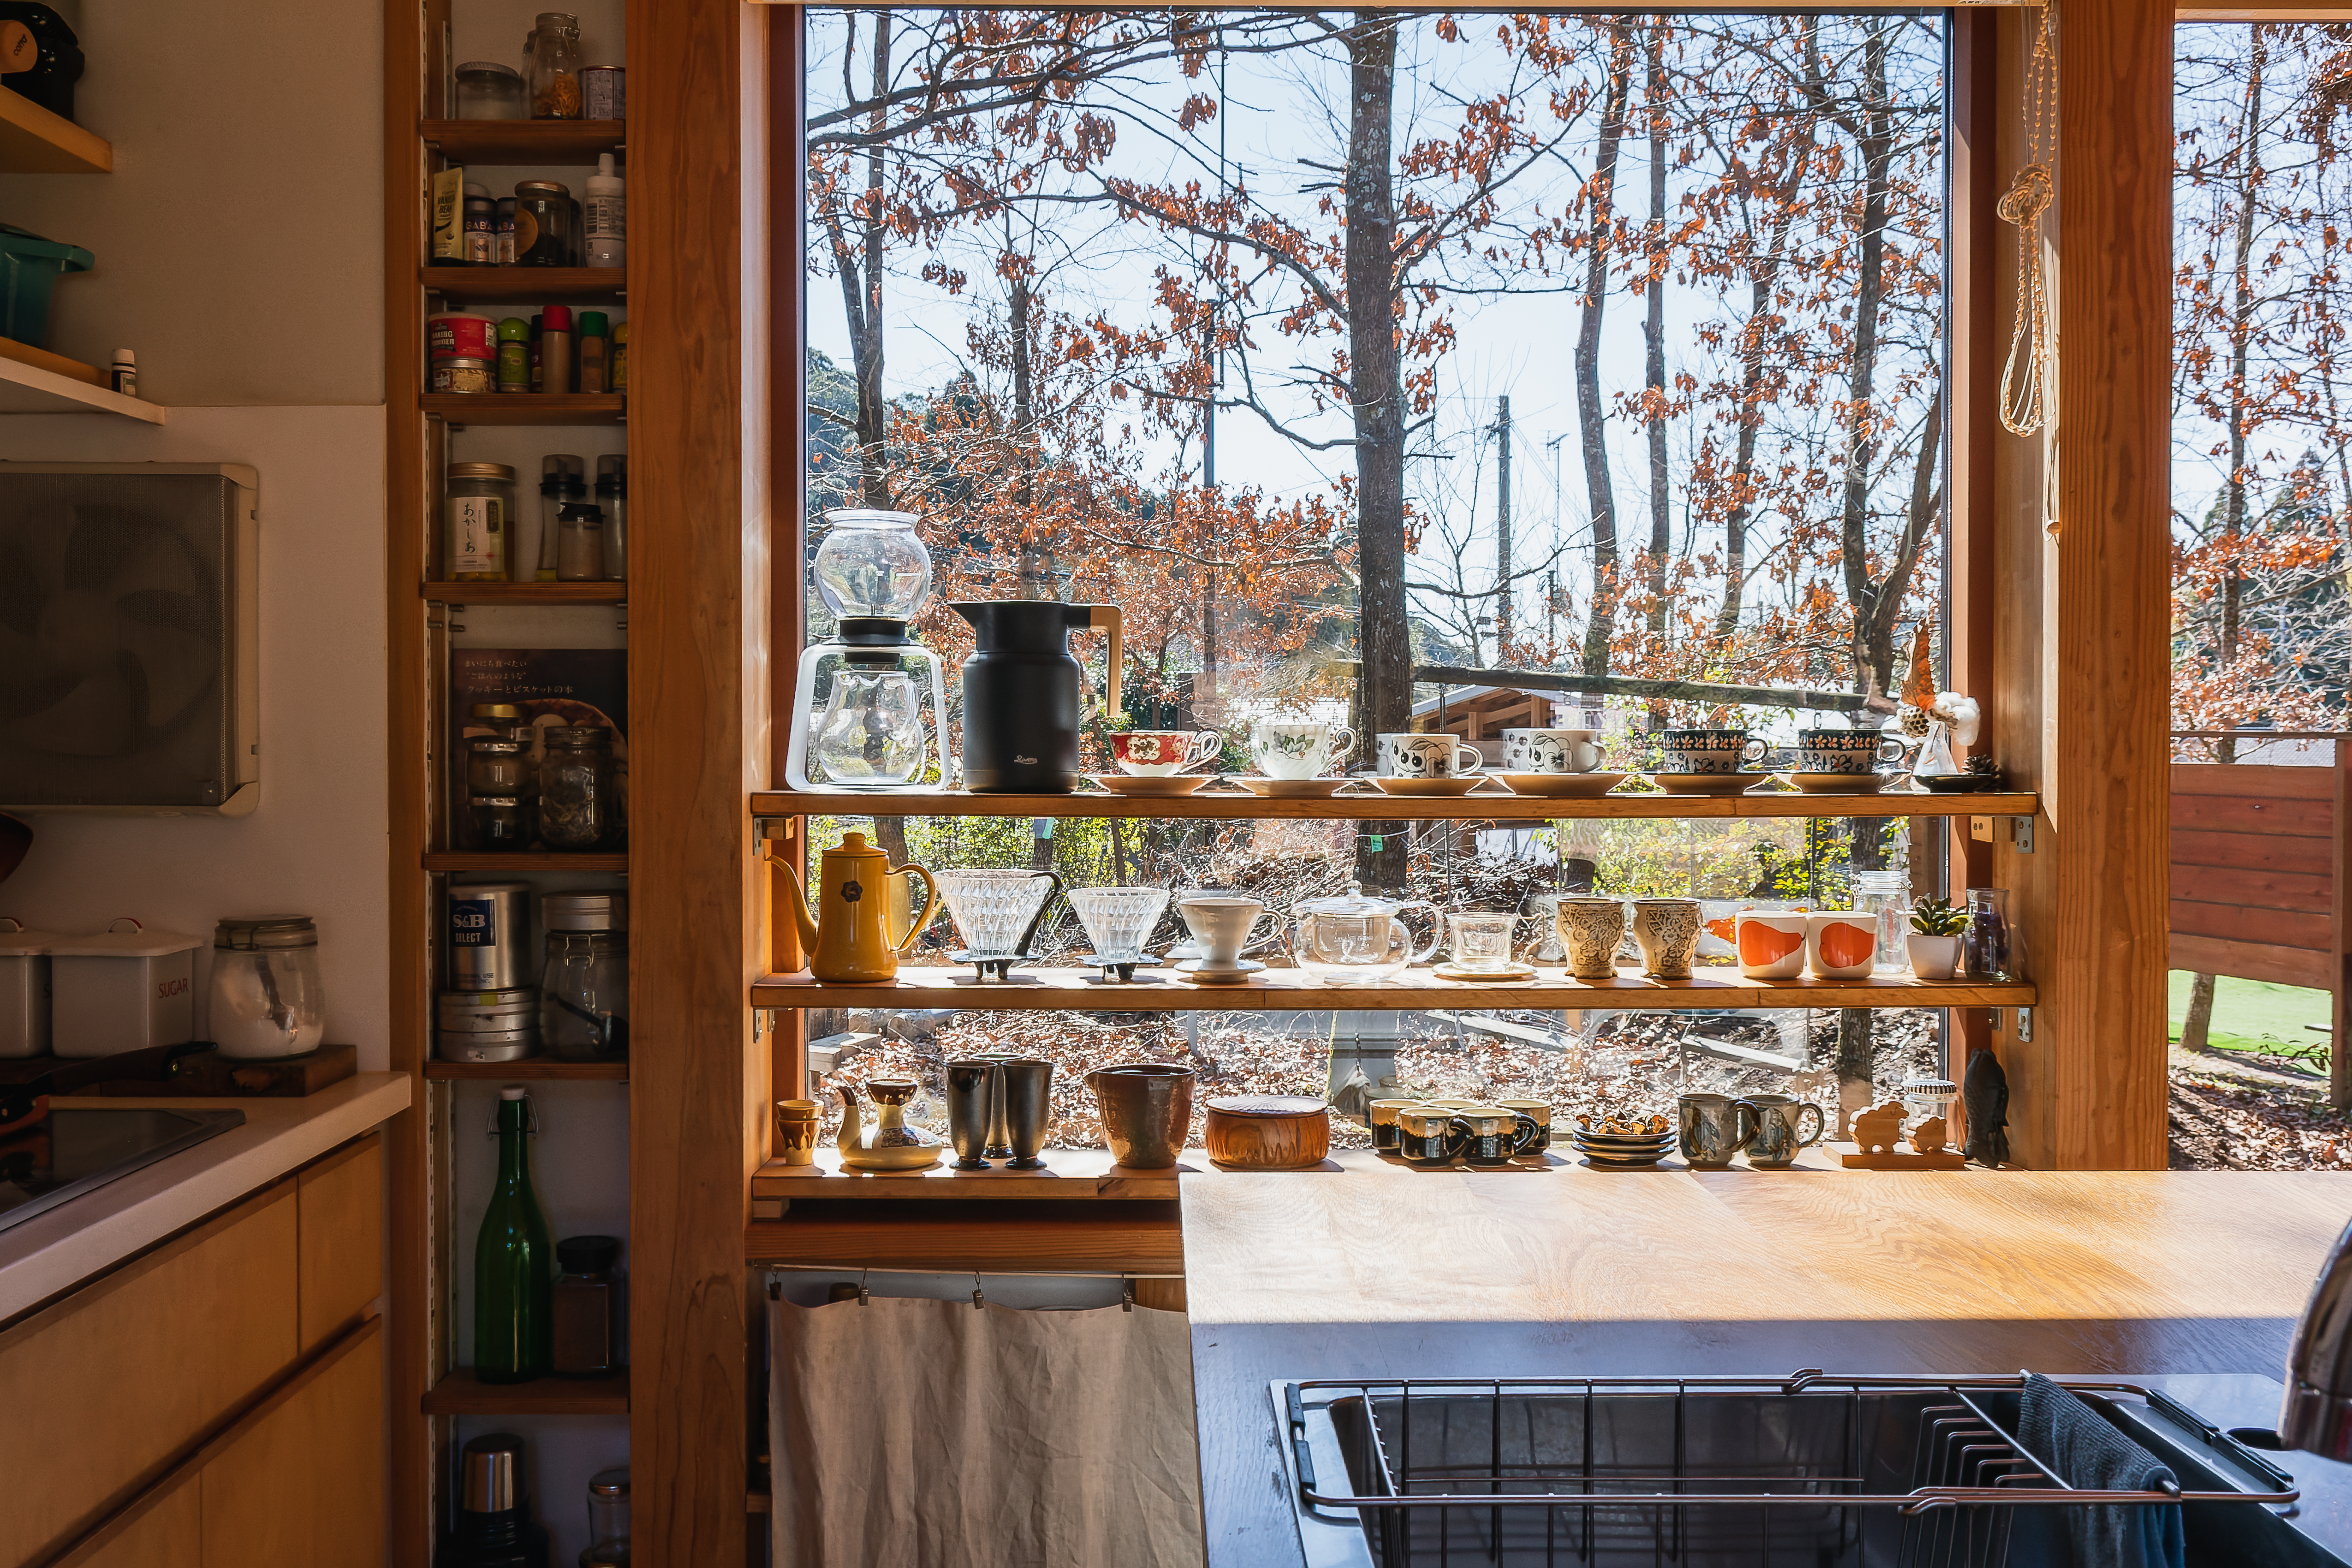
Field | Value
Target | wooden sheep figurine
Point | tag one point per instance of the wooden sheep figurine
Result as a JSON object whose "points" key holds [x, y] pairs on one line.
{"points": [[1927, 1138], [1879, 1128]]}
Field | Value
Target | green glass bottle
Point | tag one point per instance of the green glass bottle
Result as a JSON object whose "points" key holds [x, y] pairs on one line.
{"points": [[514, 1264]]}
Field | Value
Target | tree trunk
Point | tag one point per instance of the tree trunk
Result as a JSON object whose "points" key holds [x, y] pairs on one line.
{"points": [[1754, 339], [2242, 318], [859, 263], [1877, 150], [1654, 333], [1377, 393], [1599, 625], [1855, 1051], [2200, 1019], [1033, 568]]}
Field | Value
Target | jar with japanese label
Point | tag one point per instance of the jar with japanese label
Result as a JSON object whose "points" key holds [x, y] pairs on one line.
{"points": [[481, 499], [584, 998], [579, 807]]}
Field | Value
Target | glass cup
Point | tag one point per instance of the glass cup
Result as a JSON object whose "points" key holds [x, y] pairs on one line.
{"points": [[1118, 920], [996, 912], [1482, 944]]}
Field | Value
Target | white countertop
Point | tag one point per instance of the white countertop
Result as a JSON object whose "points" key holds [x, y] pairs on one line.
{"points": [[52, 1252]]}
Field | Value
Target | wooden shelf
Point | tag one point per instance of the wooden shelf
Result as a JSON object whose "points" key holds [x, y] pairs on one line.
{"points": [[522, 860], [536, 1068], [1069, 1173], [525, 407], [1079, 990], [459, 1392], [526, 285], [1040, 1242], [36, 389], [1370, 806], [525, 593], [523, 141], [34, 141]]}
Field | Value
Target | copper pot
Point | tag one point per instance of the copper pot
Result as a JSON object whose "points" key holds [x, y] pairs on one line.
{"points": [[1146, 1110]]}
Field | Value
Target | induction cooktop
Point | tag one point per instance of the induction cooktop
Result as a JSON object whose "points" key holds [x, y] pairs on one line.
{"points": [[73, 1150]]}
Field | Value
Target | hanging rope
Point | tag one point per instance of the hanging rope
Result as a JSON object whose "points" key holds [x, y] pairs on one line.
{"points": [[2025, 380]]}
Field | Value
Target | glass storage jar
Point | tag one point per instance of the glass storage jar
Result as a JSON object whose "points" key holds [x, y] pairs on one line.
{"points": [[583, 996], [498, 821], [481, 499], [579, 807], [1886, 898], [488, 90], [554, 50], [579, 543], [1989, 946], [587, 1306], [268, 998], [493, 766], [608, 1521], [547, 226]]}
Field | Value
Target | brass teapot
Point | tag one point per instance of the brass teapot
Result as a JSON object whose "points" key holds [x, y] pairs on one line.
{"points": [[889, 1144], [847, 934]]}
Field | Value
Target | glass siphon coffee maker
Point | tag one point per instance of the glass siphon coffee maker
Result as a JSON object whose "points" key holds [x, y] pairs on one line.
{"points": [[874, 576]]}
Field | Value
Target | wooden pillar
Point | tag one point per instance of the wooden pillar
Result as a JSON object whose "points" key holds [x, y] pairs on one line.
{"points": [[699, 606]]}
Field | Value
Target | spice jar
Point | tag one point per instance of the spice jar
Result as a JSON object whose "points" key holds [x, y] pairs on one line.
{"points": [[577, 808], [547, 225], [580, 543], [488, 90], [502, 232], [514, 354], [553, 49], [620, 375], [498, 821], [493, 766], [588, 1309], [268, 999], [593, 350], [562, 478], [481, 227], [608, 1521], [613, 500], [481, 516], [584, 989]]}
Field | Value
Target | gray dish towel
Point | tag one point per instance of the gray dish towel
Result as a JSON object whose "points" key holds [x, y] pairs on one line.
{"points": [[2082, 1449]]}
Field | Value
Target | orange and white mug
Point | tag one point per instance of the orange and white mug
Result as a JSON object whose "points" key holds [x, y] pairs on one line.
{"points": [[1771, 944], [1841, 944]]}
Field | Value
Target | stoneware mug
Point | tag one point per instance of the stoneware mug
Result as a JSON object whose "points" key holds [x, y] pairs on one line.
{"points": [[1841, 944], [1591, 930], [1713, 1127], [1779, 1118], [1381, 1119], [1493, 1135], [796, 1125], [1845, 751], [1156, 753], [1422, 756], [1666, 930], [1302, 749], [1708, 751], [1551, 751], [1427, 1134], [1538, 1112], [1771, 944], [1222, 926]]}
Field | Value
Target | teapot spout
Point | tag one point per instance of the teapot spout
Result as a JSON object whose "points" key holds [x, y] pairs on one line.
{"points": [[853, 1122], [803, 919]]}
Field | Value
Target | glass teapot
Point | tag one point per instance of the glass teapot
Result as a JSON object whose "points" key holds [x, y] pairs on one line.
{"points": [[1356, 939]]}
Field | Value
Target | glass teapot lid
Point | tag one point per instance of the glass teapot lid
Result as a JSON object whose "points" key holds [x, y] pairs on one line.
{"points": [[1355, 903], [873, 566]]}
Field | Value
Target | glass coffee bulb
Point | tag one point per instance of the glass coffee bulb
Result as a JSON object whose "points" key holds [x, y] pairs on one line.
{"points": [[872, 564], [872, 729]]}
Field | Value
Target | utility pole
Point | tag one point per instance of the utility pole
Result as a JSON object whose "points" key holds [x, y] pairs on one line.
{"points": [[1501, 430]]}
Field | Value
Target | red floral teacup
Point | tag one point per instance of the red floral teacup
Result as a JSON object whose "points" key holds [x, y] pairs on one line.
{"points": [[1156, 753]]}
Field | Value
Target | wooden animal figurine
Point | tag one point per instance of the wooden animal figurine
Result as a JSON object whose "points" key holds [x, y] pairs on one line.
{"points": [[1880, 1127], [1927, 1138]]}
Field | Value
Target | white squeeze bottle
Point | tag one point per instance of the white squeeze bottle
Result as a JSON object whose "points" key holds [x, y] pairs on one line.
{"points": [[607, 215]]}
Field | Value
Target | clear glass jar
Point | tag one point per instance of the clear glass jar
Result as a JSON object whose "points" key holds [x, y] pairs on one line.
{"points": [[613, 501], [1988, 947], [554, 50], [481, 498], [1885, 897], [608, 1521], [493, 766], [488, 90], [268, 1000], [579, 543], [547, 226], [498, 822], [578, 807], [584, 996]]}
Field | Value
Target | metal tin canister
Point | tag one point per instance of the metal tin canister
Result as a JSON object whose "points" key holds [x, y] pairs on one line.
{"points": [[507, 1046], [465, 376], [489, 936], [604, 92], [489, 1012], [460, 334]]}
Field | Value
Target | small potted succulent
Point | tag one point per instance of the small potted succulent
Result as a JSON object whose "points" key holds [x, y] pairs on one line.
{"points": [[1933, 944]]}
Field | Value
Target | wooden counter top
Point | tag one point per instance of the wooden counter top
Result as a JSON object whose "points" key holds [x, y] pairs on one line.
{"points": [[1573, 1271]]}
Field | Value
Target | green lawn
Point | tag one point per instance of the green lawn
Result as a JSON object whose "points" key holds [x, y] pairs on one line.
{"points": [[2246, 1010]]}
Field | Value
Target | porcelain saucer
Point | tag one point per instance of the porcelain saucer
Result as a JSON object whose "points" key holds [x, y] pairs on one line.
{"points": [[1193, 969], [1151, 784], [1562, 786], [1706, 784], [1486, 976], [1838, 783], [1290, 789]]}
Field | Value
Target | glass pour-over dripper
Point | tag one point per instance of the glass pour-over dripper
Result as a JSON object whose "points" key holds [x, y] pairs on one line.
{"points": [[996, 912]]}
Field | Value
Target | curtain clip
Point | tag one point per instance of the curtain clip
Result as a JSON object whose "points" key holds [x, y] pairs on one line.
{"points": [[1126, 1294], [977, 1301], [863, 1295]]}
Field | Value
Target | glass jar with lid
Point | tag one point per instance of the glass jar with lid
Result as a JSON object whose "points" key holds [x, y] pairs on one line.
{"points": [[1886, 898], [481, 499], [583, 997], [504, 720], [554, 50], [580, 543], [268, 1000], [493, 766], [488, 90], [547, 226], [579, 804], [498, 822], [587, 1308], [608, 1521]]}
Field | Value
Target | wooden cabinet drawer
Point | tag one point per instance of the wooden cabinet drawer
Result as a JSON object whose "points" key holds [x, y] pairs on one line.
{"points": [[113, 1384], [341, 1227]]}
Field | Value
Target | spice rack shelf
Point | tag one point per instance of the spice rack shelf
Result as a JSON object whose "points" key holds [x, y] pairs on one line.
{"points": [[522, 860], [461, 1392], [1370, 805], [526, 286], [514, 1072], [523, 141], [33, 140], [526, 407], [525, 593], [1080, 989]]}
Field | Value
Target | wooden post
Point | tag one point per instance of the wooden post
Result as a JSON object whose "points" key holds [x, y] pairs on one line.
{"points": [[2340, 971]]}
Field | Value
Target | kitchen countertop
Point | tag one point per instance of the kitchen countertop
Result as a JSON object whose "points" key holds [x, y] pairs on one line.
{"points": [[51, 1253], [1374, 1271]]}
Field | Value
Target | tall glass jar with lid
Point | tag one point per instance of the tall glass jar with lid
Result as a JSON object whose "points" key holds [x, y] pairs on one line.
{"points": [[268, 999], [553, 49], [579, 801], [1886, 898], [481, 499], [584, 998]]}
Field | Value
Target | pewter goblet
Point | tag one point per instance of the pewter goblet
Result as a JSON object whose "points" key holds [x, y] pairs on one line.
{"points": [[970, 1086], [1028, 1109]]}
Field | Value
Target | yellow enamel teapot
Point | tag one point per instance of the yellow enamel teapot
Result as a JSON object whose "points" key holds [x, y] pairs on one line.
{"points": [[847, 934]]}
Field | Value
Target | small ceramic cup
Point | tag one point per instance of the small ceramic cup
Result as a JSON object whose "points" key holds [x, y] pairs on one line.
{"points": [[1424, 756], [1551, 751], [1714, 1127], [1771, 944], [1426, 1135], [1845, 751], [1222, 926], [1708, 751], [1381, 1119], [1303, 749], [1592, 929], [1156, 753], [1841, 944], [796, 1125], [1492, 1135], [1779, 1120], [1482, 944], [1538, 1112], [1666, 930]]}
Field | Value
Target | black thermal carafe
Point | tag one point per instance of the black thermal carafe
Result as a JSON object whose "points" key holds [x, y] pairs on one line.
{"points": [[491, 1525], [1021, 687]]}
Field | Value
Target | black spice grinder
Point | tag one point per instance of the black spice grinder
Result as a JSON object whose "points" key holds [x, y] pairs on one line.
{"points": [[1021, 694], [491, 1526]]}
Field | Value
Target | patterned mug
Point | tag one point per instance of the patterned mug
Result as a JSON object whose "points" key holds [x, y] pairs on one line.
{"points": [[1708, 751], [1156, 753], [1779, 1118], [1845, 751], [1666, 930], [1297, 749], [1551, 751], [1418, 755], [1841, 944], [1771, 944]]}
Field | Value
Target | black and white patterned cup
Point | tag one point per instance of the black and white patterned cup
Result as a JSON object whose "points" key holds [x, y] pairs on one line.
{"points": [[1708, 751], [1420, 755], [1845, 751]]}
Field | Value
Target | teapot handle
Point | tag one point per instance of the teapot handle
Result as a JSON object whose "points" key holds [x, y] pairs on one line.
{"points": [[930, 906]]}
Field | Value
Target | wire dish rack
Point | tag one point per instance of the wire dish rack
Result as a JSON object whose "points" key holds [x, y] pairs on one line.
{"points": [[1709, 1472]]}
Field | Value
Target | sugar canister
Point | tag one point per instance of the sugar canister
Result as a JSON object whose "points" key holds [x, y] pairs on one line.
{"points": [[269, 998], [122, 990]]}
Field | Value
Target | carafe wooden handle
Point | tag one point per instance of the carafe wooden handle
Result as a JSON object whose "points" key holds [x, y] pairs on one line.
{"points": [[1104, 618]]}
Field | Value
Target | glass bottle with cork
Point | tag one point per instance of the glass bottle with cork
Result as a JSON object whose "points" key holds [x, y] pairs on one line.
{"points": [[513, 1280]]}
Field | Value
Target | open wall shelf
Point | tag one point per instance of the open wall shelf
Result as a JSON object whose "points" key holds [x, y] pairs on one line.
{"points": [[33, 140], [526, 286], [461, 1392], [522, 140], [1370, 805]]}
